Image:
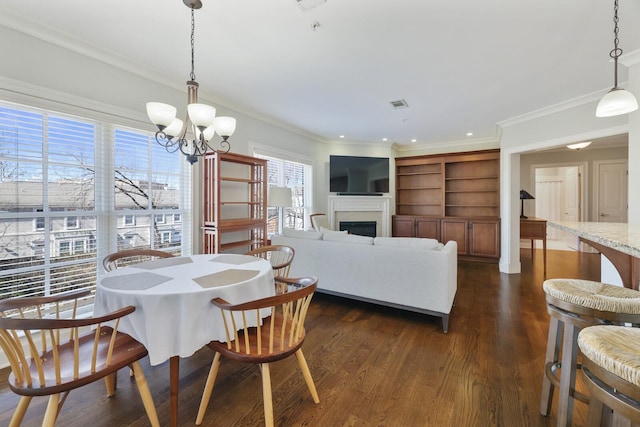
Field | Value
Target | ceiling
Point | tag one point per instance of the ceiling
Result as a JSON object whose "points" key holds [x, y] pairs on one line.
{"points": [[461, 66]]}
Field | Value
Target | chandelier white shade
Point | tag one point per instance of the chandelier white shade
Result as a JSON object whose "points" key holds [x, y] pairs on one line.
{"points": [[201, 122], [617, 101]]}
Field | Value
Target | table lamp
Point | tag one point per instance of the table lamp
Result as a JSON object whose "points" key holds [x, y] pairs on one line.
{"points": [[279, 197], [524, 196]]}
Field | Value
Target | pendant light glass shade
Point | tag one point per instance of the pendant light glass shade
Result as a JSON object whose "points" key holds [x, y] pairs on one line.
{"points": [[201, 115], [161, 114], [224, 126], [617, 101]]}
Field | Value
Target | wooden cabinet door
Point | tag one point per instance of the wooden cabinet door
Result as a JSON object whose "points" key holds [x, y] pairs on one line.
{"points": [[403, 226], [456, 229], [484, 238], [428, 228]]}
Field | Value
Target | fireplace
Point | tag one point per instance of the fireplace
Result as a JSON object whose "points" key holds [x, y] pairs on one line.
{"points": [[361, 208], [361, 228]]}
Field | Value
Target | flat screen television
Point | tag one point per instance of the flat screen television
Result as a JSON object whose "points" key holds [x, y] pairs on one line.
{"points": [[358, 175]]}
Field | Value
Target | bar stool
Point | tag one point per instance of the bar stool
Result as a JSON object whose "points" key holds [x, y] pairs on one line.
{"points": [[611, 368], [574, 304]]}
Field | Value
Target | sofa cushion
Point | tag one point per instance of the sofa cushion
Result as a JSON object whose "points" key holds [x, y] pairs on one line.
{"points": [[348, 238], [328, 230], [408, 242], [302, 234]]}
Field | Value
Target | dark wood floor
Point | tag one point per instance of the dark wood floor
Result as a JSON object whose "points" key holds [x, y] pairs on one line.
{"points": [[372, 366]]}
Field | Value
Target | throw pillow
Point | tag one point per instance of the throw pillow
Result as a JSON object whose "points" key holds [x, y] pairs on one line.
{"points": [[407, 242], [327, 230], [348, 238], [301, 234]]}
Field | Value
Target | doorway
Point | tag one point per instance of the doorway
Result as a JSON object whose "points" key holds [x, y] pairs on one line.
{"points": [[560, 196]]}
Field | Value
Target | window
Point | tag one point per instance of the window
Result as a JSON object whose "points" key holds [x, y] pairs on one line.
{"points": [[177, 218], [160, 219], [284, 171], [112, 178], [72, 222], [38, 223], [166, 237]]}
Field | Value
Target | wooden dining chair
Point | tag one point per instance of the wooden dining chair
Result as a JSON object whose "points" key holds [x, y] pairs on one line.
{"points": [[132, 256], [319, 222], [280, 257], [64, 352], [276, 337]]}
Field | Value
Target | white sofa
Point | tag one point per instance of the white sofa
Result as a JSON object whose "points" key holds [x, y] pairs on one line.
{"points": [[408, 273]]}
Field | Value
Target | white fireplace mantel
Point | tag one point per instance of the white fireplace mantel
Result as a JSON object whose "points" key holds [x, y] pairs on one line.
{"points": [[365, 205]]}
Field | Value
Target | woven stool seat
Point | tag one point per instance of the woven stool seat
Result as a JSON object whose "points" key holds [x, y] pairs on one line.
{"points": [[614, 348], [575, 304], [594, 295], [611, 367]]}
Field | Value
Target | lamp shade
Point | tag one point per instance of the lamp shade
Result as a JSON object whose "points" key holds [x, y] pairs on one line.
{"points": [[525, 196], [617, 101], [225, 126], [161, 114], [280, 197]]}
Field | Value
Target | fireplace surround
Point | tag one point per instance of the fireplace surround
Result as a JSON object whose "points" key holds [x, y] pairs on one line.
{"points": [[361, 208]]}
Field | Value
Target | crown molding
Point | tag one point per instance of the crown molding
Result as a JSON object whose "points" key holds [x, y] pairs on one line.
{"points": [[630, 59]]}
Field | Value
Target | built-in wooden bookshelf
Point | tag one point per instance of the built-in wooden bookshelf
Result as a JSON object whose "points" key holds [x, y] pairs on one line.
{"points": [[461, 191]]}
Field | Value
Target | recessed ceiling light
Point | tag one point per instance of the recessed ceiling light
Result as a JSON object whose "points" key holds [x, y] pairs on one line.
{"points": [[384, 139], [469, 133], [414, 140], [341, 136]]}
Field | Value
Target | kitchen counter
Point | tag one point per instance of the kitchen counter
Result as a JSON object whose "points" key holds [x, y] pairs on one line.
{"points": [[619, 242]]}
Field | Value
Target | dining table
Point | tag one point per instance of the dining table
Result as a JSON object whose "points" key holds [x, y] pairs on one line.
{"points": [[174, 316]]}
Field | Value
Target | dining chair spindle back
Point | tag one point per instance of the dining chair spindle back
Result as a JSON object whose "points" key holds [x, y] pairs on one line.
{"points": [[65, 351], [132, 256], [276, 337]]}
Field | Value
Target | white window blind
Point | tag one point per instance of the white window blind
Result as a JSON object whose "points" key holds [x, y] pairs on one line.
{"points": [[66, 186]]}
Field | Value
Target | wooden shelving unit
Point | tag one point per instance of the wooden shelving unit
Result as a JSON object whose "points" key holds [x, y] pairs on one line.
{"points": [[451, 197], [234, 203]]}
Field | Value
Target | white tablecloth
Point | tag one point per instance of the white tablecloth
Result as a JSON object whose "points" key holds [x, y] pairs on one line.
{"points": [[174, 315]]}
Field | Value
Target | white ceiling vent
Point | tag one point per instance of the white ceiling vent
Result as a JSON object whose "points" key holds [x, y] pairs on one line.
{"points": [[399, 104], [306, 5]]}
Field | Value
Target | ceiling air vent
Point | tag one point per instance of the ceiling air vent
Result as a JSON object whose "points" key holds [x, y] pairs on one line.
{"points": [[399, 104], [306, 5]]}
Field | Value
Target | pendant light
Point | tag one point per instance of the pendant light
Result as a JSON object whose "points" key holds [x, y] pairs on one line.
{"points": [[618, 101]]}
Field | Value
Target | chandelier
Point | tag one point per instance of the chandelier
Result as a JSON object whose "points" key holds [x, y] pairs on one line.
{"points": [[617, 101], [201, 120]]}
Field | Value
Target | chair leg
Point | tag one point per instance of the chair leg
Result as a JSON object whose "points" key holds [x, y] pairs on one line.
{"points": [[145, 394], [208, 388], [21, 409], [266, 395], [553, 350], [52, 411], [110, 383], [595, 412], [568, 375], [307, 375]]}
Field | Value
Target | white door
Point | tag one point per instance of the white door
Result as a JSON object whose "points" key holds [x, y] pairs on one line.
{"points": [[572, 194], [612, 192]]}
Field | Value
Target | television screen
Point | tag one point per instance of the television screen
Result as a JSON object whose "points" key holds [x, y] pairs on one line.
{"points": [[358, 175]]}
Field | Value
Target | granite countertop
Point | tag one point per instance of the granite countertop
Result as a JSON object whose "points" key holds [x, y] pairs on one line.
{"points": [[622, 237]]}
